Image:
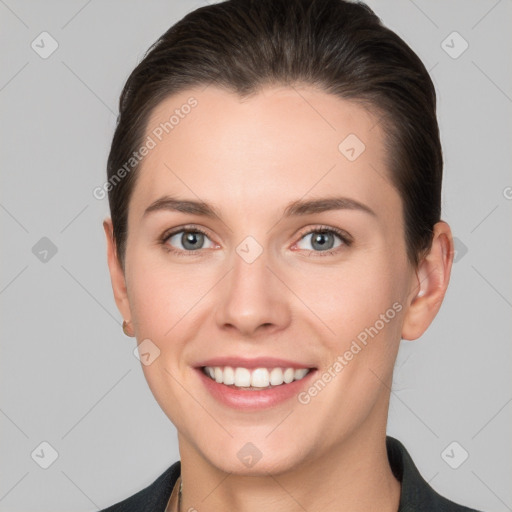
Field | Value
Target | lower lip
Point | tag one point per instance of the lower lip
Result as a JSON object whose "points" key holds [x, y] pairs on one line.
{"points": [[248, 399]]}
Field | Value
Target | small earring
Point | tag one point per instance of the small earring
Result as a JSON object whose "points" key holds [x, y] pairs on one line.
{"points": [[125, 329]]}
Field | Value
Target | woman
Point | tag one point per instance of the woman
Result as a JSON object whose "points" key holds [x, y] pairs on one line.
{"points": [[275, 192]]}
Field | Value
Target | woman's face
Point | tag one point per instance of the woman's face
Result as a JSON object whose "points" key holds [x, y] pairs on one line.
{"points": [[264, 280]]}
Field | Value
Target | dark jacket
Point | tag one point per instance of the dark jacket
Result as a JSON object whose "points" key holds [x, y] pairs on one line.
{"points": [[416, 495]]}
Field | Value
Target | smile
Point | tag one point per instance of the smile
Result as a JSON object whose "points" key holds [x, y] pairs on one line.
{"points": [[256, 378], [253, 389]]}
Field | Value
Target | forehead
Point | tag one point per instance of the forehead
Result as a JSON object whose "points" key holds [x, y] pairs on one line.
{"points": [[273, 147]]}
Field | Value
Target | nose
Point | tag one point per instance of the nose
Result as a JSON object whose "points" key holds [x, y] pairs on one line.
{"points": [[253, 298]]}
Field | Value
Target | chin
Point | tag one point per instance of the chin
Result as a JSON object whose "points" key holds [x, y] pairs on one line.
{"points": [[258, 458]]}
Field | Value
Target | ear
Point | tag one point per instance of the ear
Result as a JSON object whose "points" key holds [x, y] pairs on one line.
{"points": [[429, 288], [116, 273]]}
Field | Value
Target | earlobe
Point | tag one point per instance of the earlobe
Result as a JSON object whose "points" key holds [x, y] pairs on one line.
{"points": [[432, 278], [117, 276]]}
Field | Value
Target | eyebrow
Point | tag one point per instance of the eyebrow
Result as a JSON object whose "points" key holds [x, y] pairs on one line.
{"points": [[296, 208]]}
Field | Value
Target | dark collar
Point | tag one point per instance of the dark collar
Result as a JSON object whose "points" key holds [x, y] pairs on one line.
{"points": [[416, 494]]}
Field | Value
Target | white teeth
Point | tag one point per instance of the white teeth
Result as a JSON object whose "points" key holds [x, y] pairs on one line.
{"points": [[288, 375], [259, 378], [242, 377], [302, 372], [256, 378], [276, 376], [229, 375]]}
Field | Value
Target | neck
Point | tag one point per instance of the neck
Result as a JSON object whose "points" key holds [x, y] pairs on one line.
{"points": [[354, 475]]}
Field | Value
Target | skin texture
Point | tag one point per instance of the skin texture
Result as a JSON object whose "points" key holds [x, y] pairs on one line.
{"points": [[250, 158]]}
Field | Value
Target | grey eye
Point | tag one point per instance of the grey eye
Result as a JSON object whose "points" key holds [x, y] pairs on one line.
{"points": [[321, 240], [189, 240]]}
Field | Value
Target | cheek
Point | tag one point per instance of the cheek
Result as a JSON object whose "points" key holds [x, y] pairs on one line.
{"points": [[162, 298], [162, 294], [359, 306], [353, 296]]}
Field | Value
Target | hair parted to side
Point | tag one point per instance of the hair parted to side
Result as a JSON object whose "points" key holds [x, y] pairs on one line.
{"points": [[338, 46]]}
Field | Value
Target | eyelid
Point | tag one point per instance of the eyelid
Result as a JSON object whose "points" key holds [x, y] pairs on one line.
{"points": [[345, 237], [174, 231], [188, 227]]}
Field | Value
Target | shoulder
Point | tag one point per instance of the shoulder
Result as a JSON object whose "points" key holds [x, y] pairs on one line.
{"points": [[152, 498], [416, 495]]}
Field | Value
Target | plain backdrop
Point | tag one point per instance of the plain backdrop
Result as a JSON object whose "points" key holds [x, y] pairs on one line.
{"points": [[73, 395]]}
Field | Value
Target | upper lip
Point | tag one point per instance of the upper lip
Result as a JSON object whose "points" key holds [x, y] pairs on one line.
{"points": [[257, 362]]}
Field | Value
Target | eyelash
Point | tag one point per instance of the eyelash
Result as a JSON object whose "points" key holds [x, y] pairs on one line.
{"points": [[345, 238], [179, 252]]}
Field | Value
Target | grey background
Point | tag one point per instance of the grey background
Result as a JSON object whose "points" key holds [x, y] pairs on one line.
{"points": [[68, 374]]}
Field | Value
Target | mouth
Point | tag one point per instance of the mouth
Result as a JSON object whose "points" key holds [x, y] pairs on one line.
{"points": [[254, 379], [254, 386]]}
